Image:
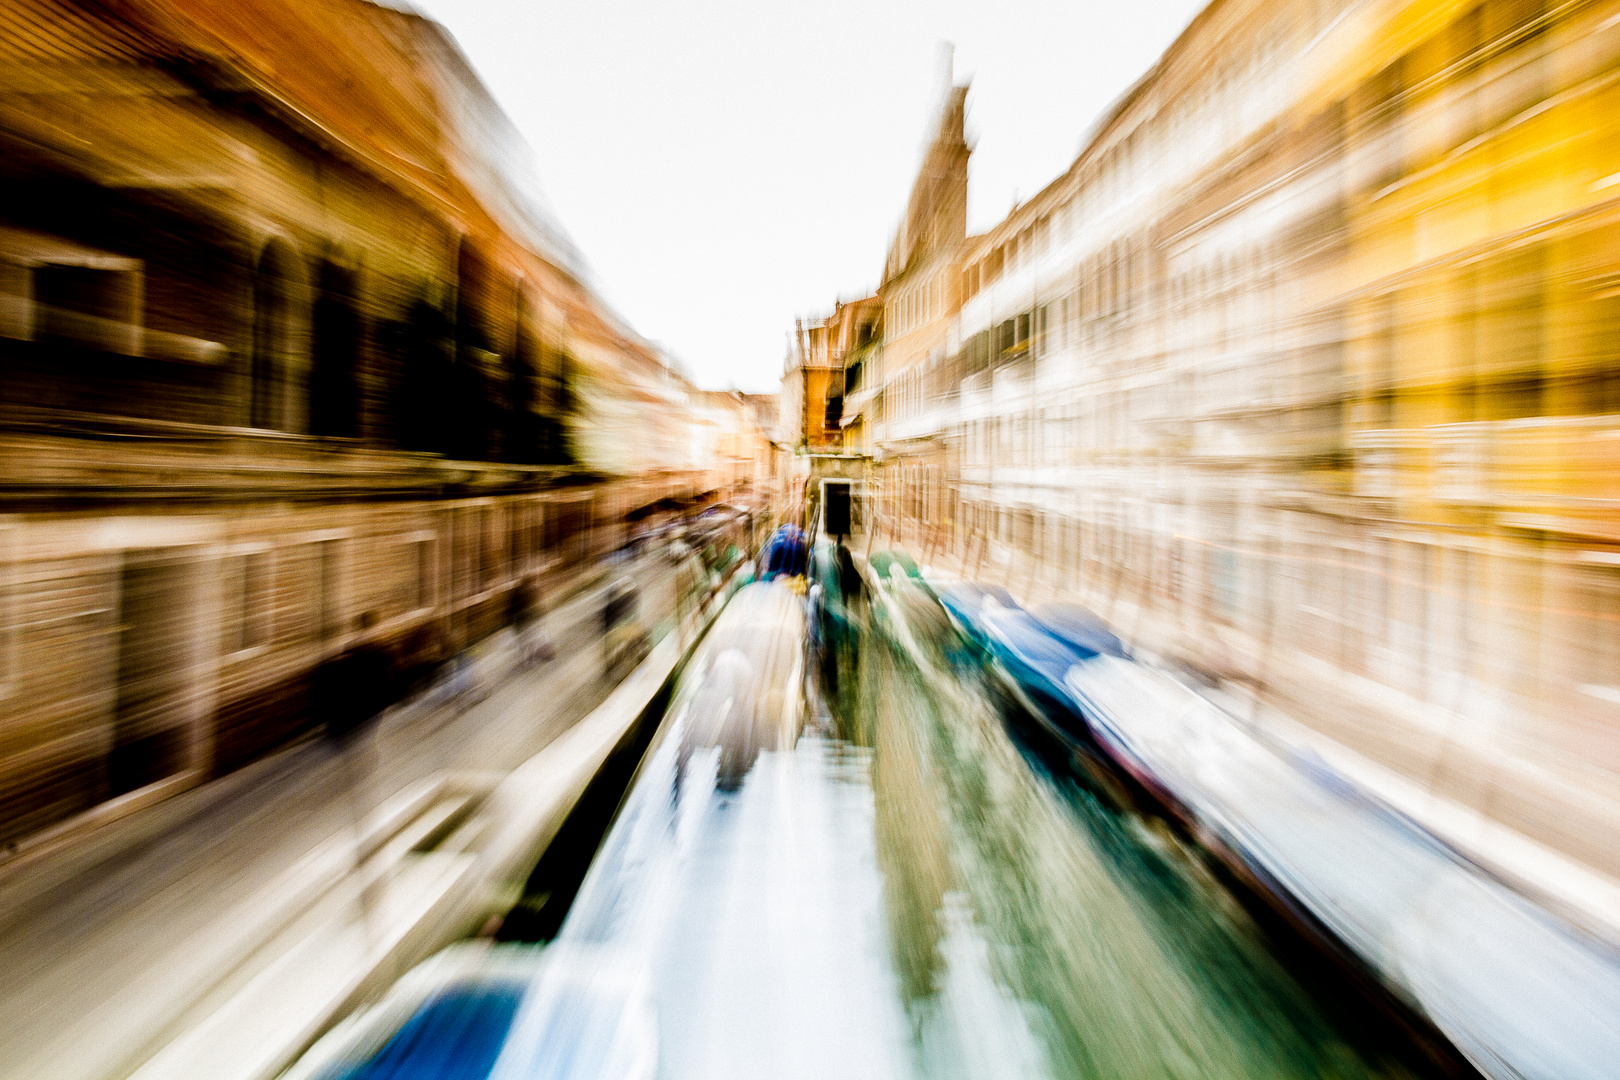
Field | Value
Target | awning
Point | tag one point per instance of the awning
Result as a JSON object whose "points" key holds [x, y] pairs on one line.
{"points": [[856, 404]]}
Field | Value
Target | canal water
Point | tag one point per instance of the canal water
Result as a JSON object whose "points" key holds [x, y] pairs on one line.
{"points": [[1038, 930], [891, 884]]}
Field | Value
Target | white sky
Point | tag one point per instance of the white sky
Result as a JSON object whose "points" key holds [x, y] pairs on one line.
{"points": [[727, 165]]}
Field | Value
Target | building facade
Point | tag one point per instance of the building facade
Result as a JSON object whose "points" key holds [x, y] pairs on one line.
{"points": [[733, 443], [1303, 372], [293, 357], [823, 354], [913, 473]]}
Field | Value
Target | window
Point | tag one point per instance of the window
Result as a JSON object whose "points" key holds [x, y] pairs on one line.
{"points": [[1515, 335], [10, 614], [154, 673], [249, 600], [978, 352], [88, 306], [68, 294], [517, 545], [1382, 100], [270, 380], [412, 571], [533, 524], [464, 552], [335, 339], [1597, 642], [329, 585], [492, 547], [424, 573]]}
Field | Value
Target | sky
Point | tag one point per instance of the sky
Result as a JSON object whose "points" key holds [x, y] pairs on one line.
{"points": [[727, 166]]}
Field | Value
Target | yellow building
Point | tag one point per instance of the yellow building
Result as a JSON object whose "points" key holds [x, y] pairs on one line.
{"points": [[814, 412], [1479, 289], [1307, 371]]}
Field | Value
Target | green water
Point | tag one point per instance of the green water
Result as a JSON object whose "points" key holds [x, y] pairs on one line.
{"points": [[1089, 942]]}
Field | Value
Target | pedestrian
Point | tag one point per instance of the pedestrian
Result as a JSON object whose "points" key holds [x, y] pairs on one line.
{"points": [[523, 614], [849, 578], [351, 688]]}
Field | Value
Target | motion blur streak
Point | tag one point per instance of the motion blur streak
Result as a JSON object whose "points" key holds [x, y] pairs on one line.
{"points": [[934, 903], [1303, 375], [294, 362], [312, 423], [1124, 957], [1174, 632]]}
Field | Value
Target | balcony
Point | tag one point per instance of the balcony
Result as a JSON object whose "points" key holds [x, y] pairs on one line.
{"points": [[856, 405], [150, 459], [1569, 463]]}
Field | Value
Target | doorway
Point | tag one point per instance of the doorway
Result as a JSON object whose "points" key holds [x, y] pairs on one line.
{"points": [[155, 644]]}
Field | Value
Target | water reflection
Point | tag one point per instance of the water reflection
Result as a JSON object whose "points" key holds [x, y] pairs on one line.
{"points": [[895, 888], [1124, 957]]}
